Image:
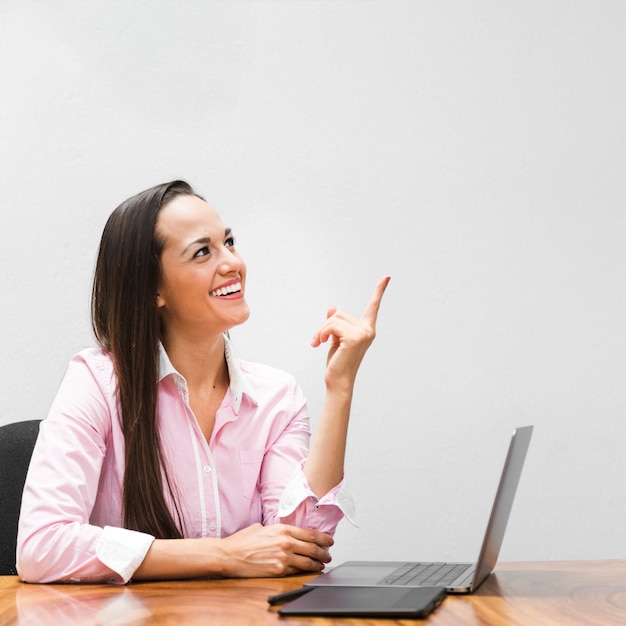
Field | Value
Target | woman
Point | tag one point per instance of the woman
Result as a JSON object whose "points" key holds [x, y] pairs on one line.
{"points": [[164, 456]]}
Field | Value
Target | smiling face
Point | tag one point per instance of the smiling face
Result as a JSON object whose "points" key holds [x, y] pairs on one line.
{"points": [[201, 290]]}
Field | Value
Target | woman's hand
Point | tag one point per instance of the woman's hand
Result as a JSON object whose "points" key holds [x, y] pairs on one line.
{"points": [[276, 550], [351, 337]]}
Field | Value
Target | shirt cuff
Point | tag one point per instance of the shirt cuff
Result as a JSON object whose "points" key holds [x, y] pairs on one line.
{"points": [[123, 550], [297, 491]]}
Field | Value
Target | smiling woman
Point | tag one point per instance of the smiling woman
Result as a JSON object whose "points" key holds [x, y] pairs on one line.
{"points": [[166, 456]]}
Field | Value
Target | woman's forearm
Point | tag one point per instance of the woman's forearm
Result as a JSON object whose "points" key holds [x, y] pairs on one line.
{"points": [[181, 558], [324, 466], [255, 551]]}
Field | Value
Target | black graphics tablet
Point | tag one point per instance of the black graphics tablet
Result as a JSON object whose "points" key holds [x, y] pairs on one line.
{"points": [[390, 602]]}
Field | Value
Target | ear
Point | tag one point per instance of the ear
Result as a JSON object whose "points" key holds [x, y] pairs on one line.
{"points": [[160, 301]]}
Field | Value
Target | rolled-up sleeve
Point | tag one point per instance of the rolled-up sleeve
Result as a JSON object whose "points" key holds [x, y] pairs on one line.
{"points": [[287, 496], [122, 550], [299, 506]]}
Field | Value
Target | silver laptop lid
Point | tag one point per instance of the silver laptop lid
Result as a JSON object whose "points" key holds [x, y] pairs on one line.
{"points": [[502, 504]]}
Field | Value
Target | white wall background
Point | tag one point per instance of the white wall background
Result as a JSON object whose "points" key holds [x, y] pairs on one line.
{"points": [[475, 151]]}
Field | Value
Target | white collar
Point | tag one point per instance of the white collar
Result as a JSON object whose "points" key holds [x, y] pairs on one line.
{"points": [[239, 384]]}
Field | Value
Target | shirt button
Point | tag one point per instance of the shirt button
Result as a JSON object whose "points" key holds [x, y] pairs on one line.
{"points": [[212, 526], [207, 468]]}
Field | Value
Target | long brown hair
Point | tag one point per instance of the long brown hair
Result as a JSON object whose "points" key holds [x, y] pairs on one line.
{"points": [[126, 323]]}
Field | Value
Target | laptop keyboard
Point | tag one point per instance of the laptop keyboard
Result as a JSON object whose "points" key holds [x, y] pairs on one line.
{"points": [[425, 574]]}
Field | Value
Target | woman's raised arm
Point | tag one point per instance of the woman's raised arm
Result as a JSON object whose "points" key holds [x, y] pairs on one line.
{"points": [[350, 338]]}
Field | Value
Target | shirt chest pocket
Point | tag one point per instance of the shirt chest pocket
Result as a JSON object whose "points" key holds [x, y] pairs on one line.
{"points": [[251, 461]]}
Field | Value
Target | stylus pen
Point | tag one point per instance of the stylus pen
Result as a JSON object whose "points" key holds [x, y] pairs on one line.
{"points": [[288, 595]]}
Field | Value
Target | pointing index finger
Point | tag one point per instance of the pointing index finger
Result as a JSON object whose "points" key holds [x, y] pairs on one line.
{"points": [[371, 311]]}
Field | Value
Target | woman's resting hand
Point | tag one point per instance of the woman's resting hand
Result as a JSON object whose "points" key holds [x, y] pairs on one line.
{"points": [[276, 550]]}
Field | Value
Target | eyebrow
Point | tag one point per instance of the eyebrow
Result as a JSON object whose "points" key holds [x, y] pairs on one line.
{"points": [[204, 241]]}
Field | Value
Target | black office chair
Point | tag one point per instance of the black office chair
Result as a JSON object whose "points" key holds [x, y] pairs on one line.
{"points": [[17, 441]]}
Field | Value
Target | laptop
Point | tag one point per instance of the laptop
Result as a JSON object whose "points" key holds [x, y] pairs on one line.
{"points": [[455, 577]]}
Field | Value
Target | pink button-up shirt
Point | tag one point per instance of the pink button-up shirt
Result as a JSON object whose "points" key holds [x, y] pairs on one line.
{"points": [[250, 471]]}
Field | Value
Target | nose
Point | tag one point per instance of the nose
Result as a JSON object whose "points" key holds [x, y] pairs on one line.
{"points": [[230, 261]]}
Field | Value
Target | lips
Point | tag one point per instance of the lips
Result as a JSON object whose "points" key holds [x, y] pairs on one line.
{"points": [[227, 290]]}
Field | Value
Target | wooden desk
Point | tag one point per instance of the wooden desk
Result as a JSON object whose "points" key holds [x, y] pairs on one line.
{"points": [[558, 592]]}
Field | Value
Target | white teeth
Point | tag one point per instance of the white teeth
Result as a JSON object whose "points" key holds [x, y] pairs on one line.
{"points": [[224, 291]]}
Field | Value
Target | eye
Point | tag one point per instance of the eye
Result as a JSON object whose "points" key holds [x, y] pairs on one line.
{"points": [[204, 251], [230, 242]]}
